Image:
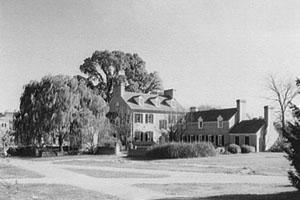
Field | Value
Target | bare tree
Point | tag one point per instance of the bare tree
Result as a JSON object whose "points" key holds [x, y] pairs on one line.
{"points": [[282, 92]]}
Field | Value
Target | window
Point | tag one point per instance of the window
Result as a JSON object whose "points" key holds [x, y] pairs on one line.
{"points": [[220, 122], [212, 139], [203, 138], [138, 136], [206, 138], [237, 140], [223, 140], [117, 104], [138, 118], [149, 136], [162, 124], [247, 140], [128, 119], [149, 118], [209, 138], [200, 123], [217, 140], [172, 119]]}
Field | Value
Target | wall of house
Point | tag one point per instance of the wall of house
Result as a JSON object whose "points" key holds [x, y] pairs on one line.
{"points": [[252, 139], [209, 128], [144, 127], [119, 106]]}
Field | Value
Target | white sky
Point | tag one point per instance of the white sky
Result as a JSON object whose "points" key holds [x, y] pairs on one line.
{"points": [[211, 52]]}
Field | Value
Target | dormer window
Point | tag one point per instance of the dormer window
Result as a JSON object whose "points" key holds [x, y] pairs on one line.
{"points": [[200, 123], [156, 102], [172, 103], [141, 101], [220, 121]]}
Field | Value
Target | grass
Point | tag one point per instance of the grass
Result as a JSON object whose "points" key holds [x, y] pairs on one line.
{"points": [[114, 174], [255, 163], [276, 196], [8, 171], [204, 190], [49, 192]]}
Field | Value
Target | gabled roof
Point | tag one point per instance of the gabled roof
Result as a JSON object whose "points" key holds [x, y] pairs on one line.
{"points": [[211, 115], [149, 104], [248, 126]]}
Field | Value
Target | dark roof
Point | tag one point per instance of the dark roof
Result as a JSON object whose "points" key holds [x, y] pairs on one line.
{"points": [[211, 115], [248, 126], [164, 102]]}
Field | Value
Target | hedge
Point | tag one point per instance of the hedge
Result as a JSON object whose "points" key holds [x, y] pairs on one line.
{"points": [[247, 149], [234, 148], [181, 150]]}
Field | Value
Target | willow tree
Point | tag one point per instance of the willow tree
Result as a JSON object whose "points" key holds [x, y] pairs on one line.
{"points": [[103, 69], [53, 107]]}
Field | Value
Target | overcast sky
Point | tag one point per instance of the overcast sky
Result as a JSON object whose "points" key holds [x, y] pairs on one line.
{"points": [[211, 52]]}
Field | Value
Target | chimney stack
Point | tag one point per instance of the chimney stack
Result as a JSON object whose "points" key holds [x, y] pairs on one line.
{"points": [[193, 109], [241, 111], [169, 93], [266, 115], [120, 89]]}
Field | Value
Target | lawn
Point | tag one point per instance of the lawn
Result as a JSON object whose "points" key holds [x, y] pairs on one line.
{"points": [[8, 171], [49, 192], [204, 189], [114, 174], [255, 163]]}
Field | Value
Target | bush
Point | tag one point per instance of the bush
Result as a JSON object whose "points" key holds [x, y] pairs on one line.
{"points": [[181, 150], [247, 149], [234, 148], [30, 151], [278, 146]]}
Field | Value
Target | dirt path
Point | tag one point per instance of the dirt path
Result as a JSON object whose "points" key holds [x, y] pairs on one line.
{"points": [[123, 187]]}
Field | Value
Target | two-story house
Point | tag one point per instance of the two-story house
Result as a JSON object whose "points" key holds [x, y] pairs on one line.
{"points": [[6, 123], [230, 125], [144, 118]]}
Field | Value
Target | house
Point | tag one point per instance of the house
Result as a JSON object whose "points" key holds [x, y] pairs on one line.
{"points": [[230, 125], [6, 123], [144, 119], [259, 132]]}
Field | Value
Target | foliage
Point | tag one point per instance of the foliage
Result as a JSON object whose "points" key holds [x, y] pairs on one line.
{"points": [[181, 150], [104, 69], [281, 92], [247, 149], [292, 134], [234, 148], [59, 107], [279, 145]]}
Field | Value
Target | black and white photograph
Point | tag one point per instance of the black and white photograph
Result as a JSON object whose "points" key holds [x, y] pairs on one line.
{"points": [[149, 99]]}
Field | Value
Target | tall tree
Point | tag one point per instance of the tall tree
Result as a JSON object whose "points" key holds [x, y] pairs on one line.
{"points": [[103, 69], [57, 106], [282, 93], [292, 134]]}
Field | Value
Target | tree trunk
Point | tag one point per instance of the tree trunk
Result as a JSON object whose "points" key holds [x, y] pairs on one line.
{"points": [[60, 142]]}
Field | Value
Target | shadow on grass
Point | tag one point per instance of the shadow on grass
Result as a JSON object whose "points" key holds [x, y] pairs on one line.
{"points": [[278, 196]]}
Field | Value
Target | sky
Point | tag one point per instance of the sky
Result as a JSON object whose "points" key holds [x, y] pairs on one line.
{"points": [[211, 52]]}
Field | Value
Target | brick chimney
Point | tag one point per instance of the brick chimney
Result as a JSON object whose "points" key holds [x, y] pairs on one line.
{"points": [[169, 93], [241, 110], [266, 115], [120, 89], [193, 109]]}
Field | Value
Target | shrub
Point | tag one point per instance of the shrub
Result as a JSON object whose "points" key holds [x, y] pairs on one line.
{"points": [[279, 145], [181, 150], [234, 148], [247, 149]]}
